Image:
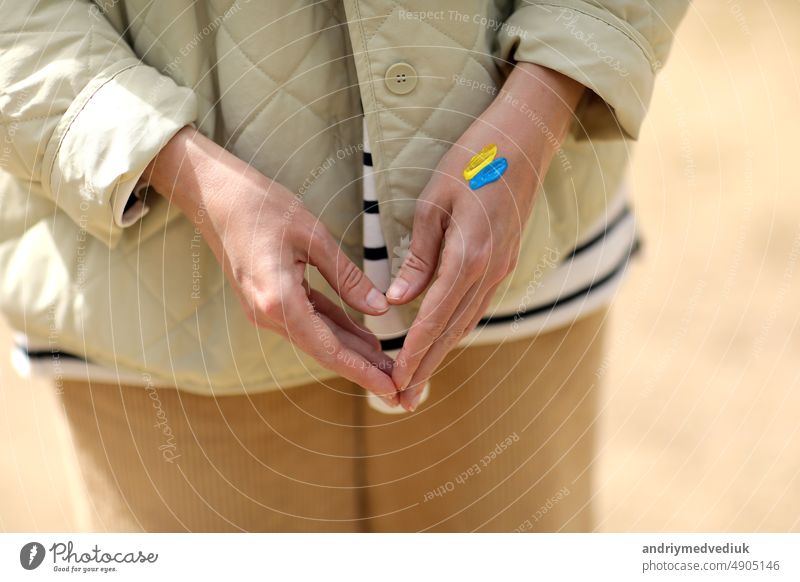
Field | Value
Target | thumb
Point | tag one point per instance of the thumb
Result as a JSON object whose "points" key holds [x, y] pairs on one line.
{"points": [[420, 263]]}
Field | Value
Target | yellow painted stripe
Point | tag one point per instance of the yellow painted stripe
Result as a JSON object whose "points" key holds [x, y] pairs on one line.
{"points": [[480, 161]]}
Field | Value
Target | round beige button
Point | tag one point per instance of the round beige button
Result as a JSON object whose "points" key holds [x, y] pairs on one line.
{"points": [[401, 78]]}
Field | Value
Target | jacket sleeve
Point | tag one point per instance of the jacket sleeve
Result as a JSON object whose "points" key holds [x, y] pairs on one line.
{"points": [[80, 115], [613, 47]]}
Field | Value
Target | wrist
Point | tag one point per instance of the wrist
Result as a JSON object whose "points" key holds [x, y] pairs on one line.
{"points": [[163, 173], [189, 171], [536, 101], [531, 80]]}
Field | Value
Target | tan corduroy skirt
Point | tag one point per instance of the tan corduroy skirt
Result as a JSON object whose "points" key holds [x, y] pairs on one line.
{"points": [[505, 443]]}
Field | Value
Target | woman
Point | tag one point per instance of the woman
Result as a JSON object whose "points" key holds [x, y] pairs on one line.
{"points": [[185, 209]]}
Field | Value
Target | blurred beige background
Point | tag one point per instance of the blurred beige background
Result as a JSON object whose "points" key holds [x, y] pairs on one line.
{"points": [[700, 423]]}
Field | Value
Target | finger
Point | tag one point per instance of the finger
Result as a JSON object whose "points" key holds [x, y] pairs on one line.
{"points": [[419, 265], [338, 316], [410, 397], [457, 275], [303, 326], [352, 342], [373, 357], [482, 310], [456, 329], [350, 282]]}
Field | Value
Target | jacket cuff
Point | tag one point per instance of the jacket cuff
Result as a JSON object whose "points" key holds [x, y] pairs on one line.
{"points": [[128, 210], [595, 48], [113, 129]]}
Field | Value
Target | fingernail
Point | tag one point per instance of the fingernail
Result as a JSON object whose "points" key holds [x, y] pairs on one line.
{"points": [[412, 406], [397, 289], [376, 300], [404, 384], [390, 400]]}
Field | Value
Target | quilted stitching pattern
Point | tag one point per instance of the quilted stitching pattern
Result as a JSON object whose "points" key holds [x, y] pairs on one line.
{"points": [[291, 75], [278, 90], [288, 78], [421, 124], [248, 83]]}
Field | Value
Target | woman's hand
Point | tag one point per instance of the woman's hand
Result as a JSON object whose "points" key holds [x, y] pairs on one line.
{"points": [[470, 238], [264, 238]]}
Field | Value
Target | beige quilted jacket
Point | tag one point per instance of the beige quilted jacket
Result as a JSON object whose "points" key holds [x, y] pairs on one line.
{"points": [[89, 93]]}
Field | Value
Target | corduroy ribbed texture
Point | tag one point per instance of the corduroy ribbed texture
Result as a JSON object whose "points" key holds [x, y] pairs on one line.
{"points": [[505, 443]]}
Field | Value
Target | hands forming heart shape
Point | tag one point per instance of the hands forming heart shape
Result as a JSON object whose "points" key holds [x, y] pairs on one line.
{"points": [[464, 241]]}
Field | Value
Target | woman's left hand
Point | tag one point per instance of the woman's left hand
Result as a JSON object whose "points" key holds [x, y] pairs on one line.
{"points": [[469, 239]]}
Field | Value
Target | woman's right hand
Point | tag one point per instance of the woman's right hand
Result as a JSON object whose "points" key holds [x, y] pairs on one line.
{"points": [[264, 237]]}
